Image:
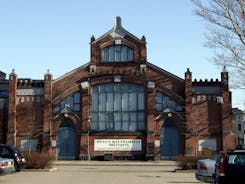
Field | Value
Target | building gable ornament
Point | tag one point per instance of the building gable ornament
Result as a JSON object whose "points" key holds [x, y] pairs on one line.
{"points": [[118, 32]]}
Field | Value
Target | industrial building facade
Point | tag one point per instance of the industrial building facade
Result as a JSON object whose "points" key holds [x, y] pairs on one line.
{"points": [[116, 106]]}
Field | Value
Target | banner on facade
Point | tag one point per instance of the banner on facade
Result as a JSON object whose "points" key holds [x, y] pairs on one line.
{"points": [[117, 145]]}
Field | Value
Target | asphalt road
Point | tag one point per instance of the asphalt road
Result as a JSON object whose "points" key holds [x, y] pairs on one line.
{"points": [[102, 174]]}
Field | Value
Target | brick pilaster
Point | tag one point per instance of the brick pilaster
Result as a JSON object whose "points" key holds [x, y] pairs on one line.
{"points": [[190, 143], [86, 142], [47, 131], [12, 131], [150, 137]]}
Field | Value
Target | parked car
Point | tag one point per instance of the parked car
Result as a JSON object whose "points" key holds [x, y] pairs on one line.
{"points": [[7, 151], [6, 165], [205, 169], [230, 167]]}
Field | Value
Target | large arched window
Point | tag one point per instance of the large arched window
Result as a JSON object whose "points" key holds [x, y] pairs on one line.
{"points": [[118, 107], [117, 53]]}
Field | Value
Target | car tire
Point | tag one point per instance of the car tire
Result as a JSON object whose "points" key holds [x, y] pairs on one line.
{"points": [[219, 180], [17, 169]]}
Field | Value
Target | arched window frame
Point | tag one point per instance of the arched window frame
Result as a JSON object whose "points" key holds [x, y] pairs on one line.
{"points": [[73, 101], [164, 102]]}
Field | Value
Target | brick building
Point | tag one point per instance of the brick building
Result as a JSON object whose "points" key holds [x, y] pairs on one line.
{"points": [[117, 106]]}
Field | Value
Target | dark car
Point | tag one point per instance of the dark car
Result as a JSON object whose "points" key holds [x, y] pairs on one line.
{"points": [[7, 151], [230, 167]]}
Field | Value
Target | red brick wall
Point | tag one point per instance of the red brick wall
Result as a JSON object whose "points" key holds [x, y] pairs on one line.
{"points": [[204, 123], [1, 125], [29, 119]]}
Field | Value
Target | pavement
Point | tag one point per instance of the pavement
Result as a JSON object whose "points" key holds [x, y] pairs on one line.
{"points": [[105, 172], [165, 163]]}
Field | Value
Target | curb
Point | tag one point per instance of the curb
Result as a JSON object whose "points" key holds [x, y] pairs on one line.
{"points": [[41, 170]]}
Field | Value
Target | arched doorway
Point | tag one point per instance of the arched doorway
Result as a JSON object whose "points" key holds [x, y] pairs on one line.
{"points": [[169, 139], [66, 140]]}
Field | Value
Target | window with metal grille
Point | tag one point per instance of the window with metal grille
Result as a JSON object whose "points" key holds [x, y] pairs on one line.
{"points": [[118, 107]]}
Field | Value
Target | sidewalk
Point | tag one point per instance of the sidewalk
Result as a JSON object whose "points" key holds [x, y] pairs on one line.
{"points": [[115, 163]]}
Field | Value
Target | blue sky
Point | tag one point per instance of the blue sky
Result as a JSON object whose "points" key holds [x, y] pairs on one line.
{"points": [[36, 35]]}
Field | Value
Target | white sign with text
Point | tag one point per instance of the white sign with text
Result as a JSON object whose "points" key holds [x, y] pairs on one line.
{"points": [[117, 145]]}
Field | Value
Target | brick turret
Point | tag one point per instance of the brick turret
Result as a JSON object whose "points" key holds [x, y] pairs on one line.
{"points": [[188, 109], [228, 138]]}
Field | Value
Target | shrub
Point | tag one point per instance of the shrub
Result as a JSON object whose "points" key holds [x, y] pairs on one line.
{"points": [[37, 160], [190, 162], [187, 162]]}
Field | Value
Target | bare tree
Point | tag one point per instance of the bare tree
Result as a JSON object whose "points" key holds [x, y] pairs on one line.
{"points": [[226, 35]]}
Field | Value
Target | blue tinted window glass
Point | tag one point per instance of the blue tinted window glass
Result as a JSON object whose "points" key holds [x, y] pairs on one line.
{"points": [[117, 53], [124, 54], [164, 102], [105, 56], [130, 54], [72, 101], [119, 107], [111, 54]]}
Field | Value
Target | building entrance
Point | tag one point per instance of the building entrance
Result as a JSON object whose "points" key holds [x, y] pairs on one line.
{"points": [[66, 140], [169, 140]]}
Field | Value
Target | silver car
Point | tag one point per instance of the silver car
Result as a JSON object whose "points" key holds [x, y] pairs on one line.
{"points": [[205, 169], [6, 165]]}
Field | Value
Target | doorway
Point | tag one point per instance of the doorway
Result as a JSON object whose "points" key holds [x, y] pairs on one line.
{"points": [[66, 140], [169, 140]]}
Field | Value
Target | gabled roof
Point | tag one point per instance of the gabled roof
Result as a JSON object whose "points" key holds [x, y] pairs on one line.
{"points": [[2, 75], [73, 71], [164, 71], [119, 32]]}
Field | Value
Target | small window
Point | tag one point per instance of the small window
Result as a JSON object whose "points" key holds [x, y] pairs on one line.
{"points": [[239, 127], [117, 53]]}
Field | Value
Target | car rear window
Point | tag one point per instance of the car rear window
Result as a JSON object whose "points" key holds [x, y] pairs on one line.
{"points": [[16, 150], [236, 159]]}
